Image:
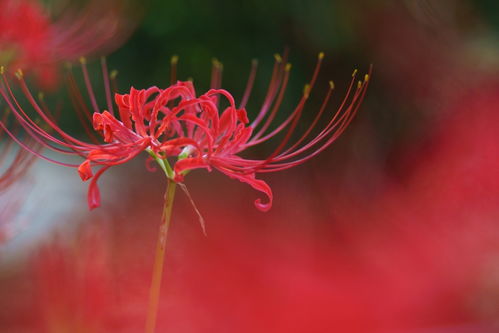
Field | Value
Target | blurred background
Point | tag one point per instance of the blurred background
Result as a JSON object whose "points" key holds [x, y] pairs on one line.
{"points": [[394, 228]]}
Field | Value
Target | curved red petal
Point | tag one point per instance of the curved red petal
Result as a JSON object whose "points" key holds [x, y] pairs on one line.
{"points": [[189, 164], [257, 184], [93, 195], [85, 171]]}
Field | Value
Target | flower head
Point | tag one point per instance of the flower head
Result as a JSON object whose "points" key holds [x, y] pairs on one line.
{"points": [[183, 131], [19, 42], [30, 38]]}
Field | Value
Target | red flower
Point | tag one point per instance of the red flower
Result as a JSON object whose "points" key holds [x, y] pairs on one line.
{"points": [[29, 38], [175, 123]]}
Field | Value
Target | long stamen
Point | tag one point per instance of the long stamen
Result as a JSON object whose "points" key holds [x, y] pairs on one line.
{"points": [[216, 74], [337, 124], [28, 130], [291, 129], [114, 81], [81, 108], [316, 119], [29, 125], [53, 118], [256, 140], [216, 77], [88, 84], [33, 151], [276, 105], [37, 108], [37, 133], [52, 115], [173, 69], [341, 125], [271, 91], [7, 146], [249, 85], [107, 87], [22, 161]]}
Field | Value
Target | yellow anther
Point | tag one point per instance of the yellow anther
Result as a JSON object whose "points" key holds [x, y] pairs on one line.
{"points": [[174, 59], [83, 60], [331, 84], [288, 67], [306, 90], [354, 72], [366, 77], [41, 96], [216, 63], [19, 74], [2, 70], [359, 84], [113, 74], [278, 57], [321, 55]]}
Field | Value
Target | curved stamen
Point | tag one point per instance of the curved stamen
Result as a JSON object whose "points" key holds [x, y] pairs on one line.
{"points": [[257, 140], [271, 90], [335, 121], [33, 151], [173, 69], [29, 125], [249, 84], [347, 120], [88, 84], [52, 124], [80, 107], [277, 105], [316, 119], [107, 86]]}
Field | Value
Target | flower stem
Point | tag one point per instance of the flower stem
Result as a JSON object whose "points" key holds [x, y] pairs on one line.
{"points": [[154, 293]]}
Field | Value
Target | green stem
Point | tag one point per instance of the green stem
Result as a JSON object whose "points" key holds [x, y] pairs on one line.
{"points": [[159, 258], [163, 163]]}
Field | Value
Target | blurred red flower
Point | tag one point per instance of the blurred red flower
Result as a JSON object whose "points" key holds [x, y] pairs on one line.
{"points": [[31, 39]]}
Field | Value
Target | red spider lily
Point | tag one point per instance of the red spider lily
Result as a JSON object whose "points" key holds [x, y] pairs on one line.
{"points": [[175, 123], [29, 38]]}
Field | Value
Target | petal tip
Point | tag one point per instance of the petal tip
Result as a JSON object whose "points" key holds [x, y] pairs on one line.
{"points": [[264, 207], [85, 171]]}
